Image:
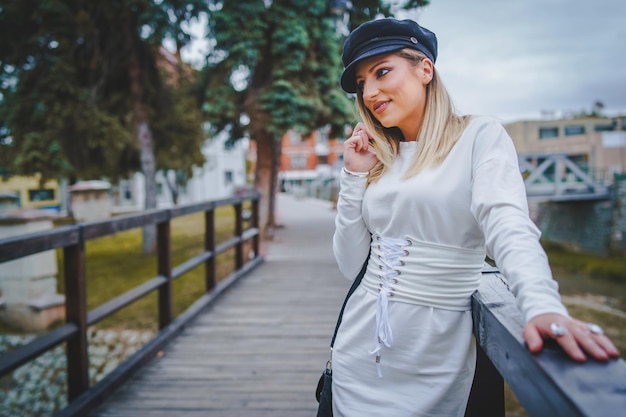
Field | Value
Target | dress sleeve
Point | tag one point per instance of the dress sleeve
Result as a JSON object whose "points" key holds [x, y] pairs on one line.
{"points": [[351, 241], [499, 205]]}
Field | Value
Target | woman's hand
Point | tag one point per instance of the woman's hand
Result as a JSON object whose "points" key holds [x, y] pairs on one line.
{"points": [[577, 338], [358, 155]]}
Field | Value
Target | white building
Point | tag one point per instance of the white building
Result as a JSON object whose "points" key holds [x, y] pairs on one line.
{"points": [[222, 174]]}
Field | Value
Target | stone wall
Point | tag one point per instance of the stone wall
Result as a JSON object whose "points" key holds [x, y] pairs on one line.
{"points": [[618, 233], [597, 227]]}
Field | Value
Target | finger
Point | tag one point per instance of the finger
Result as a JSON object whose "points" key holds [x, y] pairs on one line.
{"points": [[354, 143], [608, 346], [595, 342], [589, 343], [570, 345], [359, 126], [599, 346], [533, 338], [363, 141]]}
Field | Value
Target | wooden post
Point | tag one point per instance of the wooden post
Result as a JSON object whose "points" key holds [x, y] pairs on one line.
{"points": [[164, 269], [239, 233], [209, 246], [255, 224], [487, 394], [76, 313]]}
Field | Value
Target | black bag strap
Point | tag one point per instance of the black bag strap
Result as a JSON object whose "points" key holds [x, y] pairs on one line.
{"points": [[354, 286]]}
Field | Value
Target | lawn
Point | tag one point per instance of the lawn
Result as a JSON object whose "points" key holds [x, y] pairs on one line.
{"points": [[114, 264]]}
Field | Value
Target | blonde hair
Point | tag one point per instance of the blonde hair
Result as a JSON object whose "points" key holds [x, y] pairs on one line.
{"points": [[441, 127]]}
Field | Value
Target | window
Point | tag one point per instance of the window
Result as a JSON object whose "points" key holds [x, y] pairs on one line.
{"points": [[228, 177], [608, 127], [41, 194], [128, 194], [548, 132], [294, 138], [298, 161], [574, 130], [322, 135]]}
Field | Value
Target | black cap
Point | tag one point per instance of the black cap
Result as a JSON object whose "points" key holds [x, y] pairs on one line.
{"points": [[383, 36]]}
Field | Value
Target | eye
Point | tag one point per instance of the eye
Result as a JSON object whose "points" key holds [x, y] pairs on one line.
{"points": [[360, 84], [381, 72]]}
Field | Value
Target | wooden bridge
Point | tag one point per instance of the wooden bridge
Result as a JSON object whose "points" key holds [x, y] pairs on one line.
{"points": [[256, 343]]}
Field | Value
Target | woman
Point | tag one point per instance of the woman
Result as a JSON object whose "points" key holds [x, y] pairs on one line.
{"points": [[425, 195]]}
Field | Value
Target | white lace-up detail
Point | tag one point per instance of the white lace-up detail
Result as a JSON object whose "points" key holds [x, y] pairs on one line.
{"points": [[391, 250]]}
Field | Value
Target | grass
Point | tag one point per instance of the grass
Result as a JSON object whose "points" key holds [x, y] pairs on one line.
{"points": [[611, 267], [114, 264]]}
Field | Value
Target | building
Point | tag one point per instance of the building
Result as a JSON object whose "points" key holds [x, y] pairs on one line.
{"points": [[313, 161], [308, 165], [27, 192], [596, 144], [221, 175]]}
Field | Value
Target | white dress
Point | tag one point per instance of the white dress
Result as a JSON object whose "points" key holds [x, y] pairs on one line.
{"points": [[405, 345]]}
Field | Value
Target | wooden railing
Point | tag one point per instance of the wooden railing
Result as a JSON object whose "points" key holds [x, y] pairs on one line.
{"points": [[548, 384], [74, 332]]}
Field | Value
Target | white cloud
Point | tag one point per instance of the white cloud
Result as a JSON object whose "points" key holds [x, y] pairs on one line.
{"points": [[515, 58]]}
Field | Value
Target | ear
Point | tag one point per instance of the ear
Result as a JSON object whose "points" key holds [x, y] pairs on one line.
{"points": [[426, 71]]}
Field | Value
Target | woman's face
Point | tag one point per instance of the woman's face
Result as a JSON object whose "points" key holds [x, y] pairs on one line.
{"points": [[394, 91]]}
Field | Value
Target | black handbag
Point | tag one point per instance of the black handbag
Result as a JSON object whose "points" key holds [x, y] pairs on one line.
{"points": [[323, 393]]}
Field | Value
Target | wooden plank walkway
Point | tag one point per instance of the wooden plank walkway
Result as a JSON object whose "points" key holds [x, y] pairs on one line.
{"points": [[259, 350]]}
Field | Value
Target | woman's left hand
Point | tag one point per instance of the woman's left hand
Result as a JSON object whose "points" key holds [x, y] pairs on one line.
{"points": [[577, 338]]}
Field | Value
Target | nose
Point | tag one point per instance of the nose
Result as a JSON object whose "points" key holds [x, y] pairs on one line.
{"points": [[370, 90]]}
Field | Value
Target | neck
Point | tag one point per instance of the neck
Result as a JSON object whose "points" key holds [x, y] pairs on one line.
{"points": [[413, 125], [410, 133]]}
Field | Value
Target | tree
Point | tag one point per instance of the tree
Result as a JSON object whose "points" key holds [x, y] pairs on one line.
{"points": [[275, 66], [82, 94]]}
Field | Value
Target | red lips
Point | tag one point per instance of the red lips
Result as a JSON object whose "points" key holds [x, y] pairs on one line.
{"points": [[380, 106]]}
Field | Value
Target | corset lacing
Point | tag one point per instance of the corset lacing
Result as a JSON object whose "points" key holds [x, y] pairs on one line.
{"points": [[391, 250]]}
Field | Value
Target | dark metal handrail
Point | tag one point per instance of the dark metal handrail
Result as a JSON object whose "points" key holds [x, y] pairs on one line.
{"points": [[74, 332]]}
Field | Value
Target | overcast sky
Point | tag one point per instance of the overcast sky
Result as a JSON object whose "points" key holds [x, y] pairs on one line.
{"points": [[514, 59]]}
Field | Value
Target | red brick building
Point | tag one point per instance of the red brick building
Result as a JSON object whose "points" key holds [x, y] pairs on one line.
{"points": [[306, 161]]}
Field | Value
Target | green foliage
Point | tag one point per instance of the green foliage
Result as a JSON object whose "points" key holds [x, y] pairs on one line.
{"points": [[286, 57], [364, 10], [288, 53], [65, 87]]}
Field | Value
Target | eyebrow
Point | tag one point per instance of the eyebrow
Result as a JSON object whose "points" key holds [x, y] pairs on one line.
{"points": [[371, 68]]}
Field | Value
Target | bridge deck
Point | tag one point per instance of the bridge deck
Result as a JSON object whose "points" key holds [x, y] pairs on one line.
{"points": [[259, 349]]}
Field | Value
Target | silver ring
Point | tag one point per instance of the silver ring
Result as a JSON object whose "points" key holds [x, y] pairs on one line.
{"points": [[594, 328], [356, 133], [557, 329]]}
